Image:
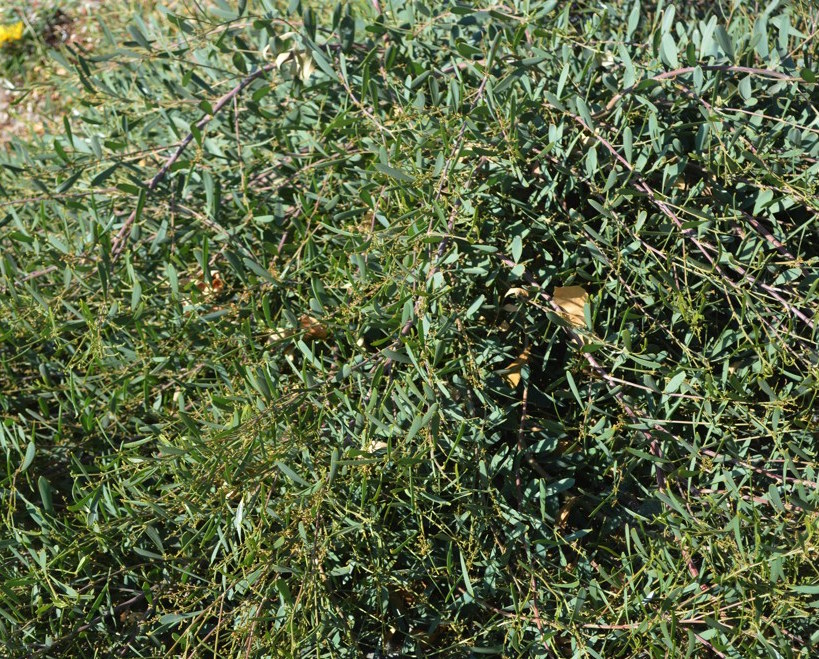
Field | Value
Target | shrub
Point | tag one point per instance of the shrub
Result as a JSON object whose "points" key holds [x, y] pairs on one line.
{"points": [[417, 329]]}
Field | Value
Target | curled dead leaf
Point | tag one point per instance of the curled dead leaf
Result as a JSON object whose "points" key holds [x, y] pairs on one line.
{"points": [[517, 292], [281, 58], [294, 61], [305, 66]]}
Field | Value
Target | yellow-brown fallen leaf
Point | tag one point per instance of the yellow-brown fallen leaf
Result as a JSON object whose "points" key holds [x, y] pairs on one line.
{"points": [[571, 300], [512, 372], [565, 510], [313, 329]]}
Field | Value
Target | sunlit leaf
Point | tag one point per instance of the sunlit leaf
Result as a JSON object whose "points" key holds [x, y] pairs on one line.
{"points": [[572, 301]]}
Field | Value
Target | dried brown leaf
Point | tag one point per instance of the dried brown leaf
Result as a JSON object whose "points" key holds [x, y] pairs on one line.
{"points": [[214, 288], [571, 300], [512, 372], [313, 329]]}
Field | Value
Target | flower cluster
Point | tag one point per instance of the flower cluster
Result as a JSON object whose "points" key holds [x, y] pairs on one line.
{"points": [[13, 32]]}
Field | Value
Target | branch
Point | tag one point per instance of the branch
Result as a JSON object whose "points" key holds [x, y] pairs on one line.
{"points": [[636, 415], [641, 183], [668, 75], [136, 599], [119, 242]]}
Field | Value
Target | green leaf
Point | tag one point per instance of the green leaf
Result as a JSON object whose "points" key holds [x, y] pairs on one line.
{"points": [[140, 38], [806, 590], [397, 174], [104, 175], [724, 41], [668, 51], [320, 59], [674, 383], [421, 422], [45, 494], [465, 575], [573, 388], [31, 451], [517, 248], [69, 182], [170, 619], [292, 475], [633, 19]]}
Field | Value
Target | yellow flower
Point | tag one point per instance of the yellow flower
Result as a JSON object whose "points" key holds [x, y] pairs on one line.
{"points": [[13, 32]]}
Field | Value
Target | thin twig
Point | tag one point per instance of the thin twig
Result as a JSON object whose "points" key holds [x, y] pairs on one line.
{"points": [[634, 625], [710, 646], [763, 231], [53, 197]]}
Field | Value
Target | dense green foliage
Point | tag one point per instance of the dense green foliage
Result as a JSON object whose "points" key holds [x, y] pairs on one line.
{"points": [[255, 351]]}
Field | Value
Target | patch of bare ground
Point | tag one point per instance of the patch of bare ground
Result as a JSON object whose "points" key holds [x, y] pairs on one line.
{"points": [[30, 104]]}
